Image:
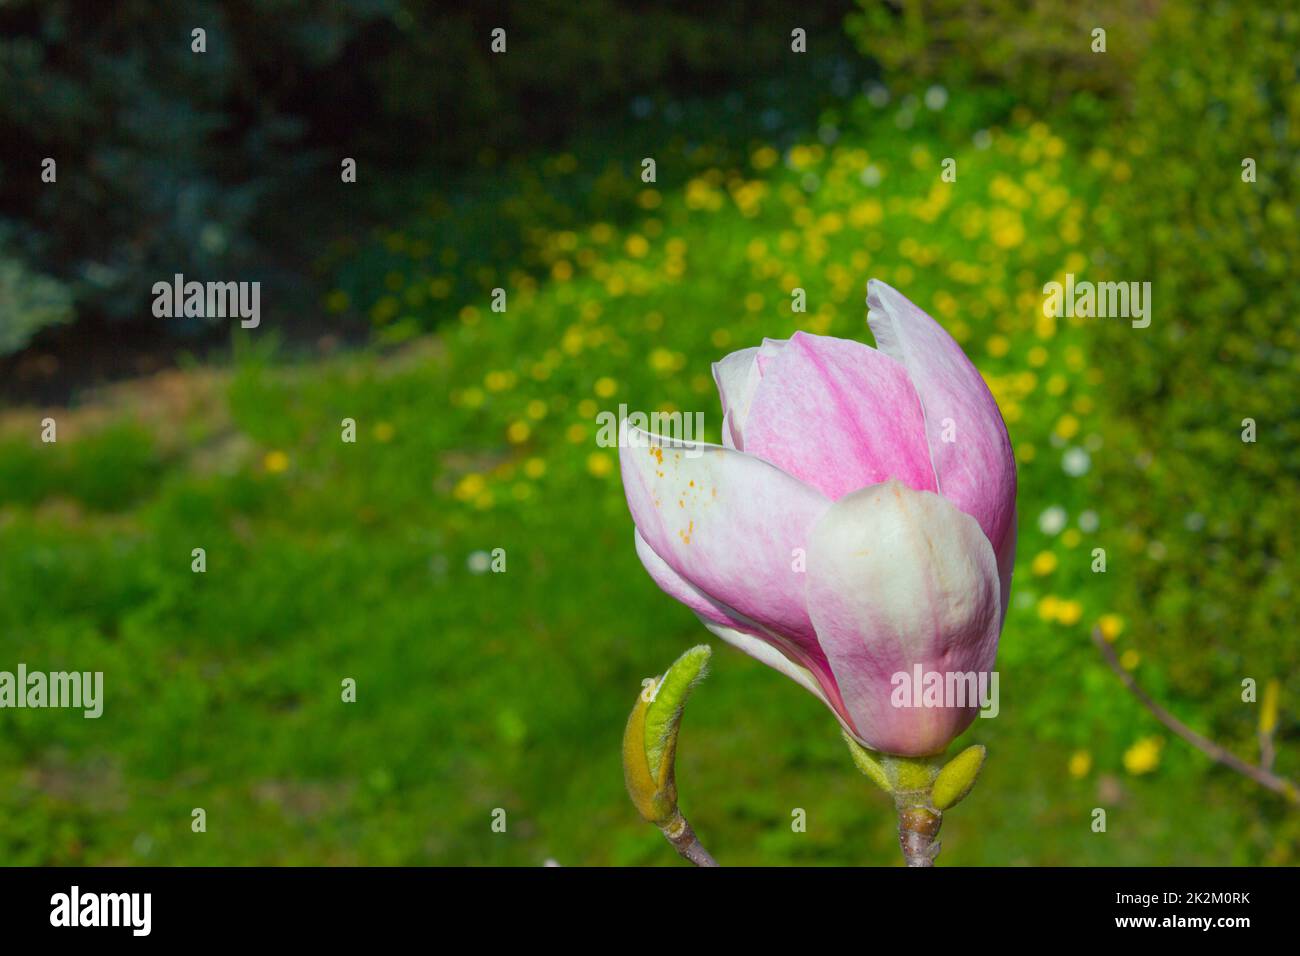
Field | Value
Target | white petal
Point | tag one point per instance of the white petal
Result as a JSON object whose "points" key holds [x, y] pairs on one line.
{"points": [[897, 578]]}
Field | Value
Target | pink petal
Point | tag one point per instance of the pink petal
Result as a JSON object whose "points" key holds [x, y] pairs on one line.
{"points": [[731, 525], [676, 586], [809, 671], [768, 352], [898, 578], [975, 470], [839, 415], [736, 376], [1006, 552]]}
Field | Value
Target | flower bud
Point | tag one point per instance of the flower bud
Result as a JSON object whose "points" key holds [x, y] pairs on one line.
{"points": [[650, 739]]}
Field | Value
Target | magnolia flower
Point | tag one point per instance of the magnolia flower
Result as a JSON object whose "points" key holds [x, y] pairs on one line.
{"points": [[857, 521]]}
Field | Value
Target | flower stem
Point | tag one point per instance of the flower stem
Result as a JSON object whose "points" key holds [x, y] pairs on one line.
{"points": [[680, 834], [917, 828], [918, 818]]}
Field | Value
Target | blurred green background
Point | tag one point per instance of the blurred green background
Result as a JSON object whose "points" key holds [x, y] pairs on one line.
{"points": [[476, 429]]}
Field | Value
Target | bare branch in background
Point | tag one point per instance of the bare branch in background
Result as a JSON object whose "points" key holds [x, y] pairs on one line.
{"points": [[1260, 774]]}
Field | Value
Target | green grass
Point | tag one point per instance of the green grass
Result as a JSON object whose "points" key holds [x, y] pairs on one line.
{"points": [[475, 691]]}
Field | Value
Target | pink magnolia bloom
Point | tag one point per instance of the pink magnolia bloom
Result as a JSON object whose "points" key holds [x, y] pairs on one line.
{"points": [[858, 519]]}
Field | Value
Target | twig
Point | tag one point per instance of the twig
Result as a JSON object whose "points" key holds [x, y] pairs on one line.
{"points": [[917, 829], [680, 834], [1260, 775], [1266, 753]]}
